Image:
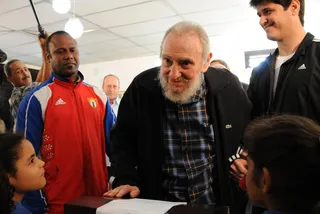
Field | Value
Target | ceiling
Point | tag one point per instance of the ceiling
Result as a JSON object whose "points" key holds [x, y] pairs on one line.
{"points": [[117, 29]]}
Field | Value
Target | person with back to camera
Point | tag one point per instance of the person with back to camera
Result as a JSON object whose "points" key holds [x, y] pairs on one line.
{"points": [[284, 164]]}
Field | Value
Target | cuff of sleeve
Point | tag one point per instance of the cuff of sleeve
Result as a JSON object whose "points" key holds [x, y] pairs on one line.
{"points": [[117, 182], [237, 155]]}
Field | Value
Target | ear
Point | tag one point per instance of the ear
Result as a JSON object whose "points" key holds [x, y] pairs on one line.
{"points": [[12, 180], [265, 180], [207, 63], [48, 56], [9, 78], [295, 7]]}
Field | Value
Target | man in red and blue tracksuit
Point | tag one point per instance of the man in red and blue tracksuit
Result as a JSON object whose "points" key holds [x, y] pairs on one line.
{"points": [[68, 123]]}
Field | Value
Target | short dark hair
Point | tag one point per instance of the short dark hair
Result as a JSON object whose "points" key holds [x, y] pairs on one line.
{"points": [[220, 61], [110, 75], [9, 154], [284, 3], [289, 147], [7, 68], [59, 32]]}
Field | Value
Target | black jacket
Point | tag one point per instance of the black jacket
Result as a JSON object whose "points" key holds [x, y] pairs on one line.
{"points": [[137, 137], [298, 87], [5, 94]]}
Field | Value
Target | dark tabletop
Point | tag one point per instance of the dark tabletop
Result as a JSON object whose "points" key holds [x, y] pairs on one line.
{"points": [[88, 205]]}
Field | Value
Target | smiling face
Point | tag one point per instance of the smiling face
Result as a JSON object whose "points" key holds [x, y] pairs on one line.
{"points": [[64, 55], [182, 65], [276, 21]]}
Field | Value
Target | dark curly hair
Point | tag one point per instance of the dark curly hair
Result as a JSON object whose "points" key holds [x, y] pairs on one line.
{"points": [[284, 3], [9, 154]]}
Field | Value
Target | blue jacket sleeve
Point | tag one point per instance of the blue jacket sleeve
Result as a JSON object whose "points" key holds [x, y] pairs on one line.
{"points": [[110, 119], [30, 123]]}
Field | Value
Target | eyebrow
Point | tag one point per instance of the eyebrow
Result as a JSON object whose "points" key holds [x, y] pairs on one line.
{"points": [[66, 48], [182, 60], [21, 68], [166, 56], [264, 10]]}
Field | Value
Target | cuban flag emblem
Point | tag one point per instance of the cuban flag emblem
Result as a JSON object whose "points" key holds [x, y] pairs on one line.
{"points": [[93, 102]]}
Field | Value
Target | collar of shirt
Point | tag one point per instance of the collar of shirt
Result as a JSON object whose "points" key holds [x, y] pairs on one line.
{"points": [[115, 102], [78, 80], [65, 79], [19, 90], [23, 87]]}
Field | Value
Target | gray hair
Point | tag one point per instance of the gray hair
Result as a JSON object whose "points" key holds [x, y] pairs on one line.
{"points": [[186, 27], [7, 68]]}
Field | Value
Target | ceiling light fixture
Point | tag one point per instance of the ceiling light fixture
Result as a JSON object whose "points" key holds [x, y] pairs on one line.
{"points": [[61, 6], [74, 26]]}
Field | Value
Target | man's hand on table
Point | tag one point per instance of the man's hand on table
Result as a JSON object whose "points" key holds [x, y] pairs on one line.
{"points": [[123, 190]]}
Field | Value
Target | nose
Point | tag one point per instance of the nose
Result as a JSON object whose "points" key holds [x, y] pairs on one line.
{"points": [[41, 164], [26, 71], [263, 20], [174, 72], [69, 55]]}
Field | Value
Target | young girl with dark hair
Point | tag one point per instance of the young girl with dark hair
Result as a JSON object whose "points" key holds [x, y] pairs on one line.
{"points": [[20, 171]]}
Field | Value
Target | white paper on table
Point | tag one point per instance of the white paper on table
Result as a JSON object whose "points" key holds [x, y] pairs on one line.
{"points": [[136, 206]]}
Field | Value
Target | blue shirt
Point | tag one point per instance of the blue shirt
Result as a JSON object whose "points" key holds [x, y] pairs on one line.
{"points": [[20, 209]]}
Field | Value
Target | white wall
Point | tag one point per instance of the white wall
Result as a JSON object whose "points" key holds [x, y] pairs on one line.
{"points": [[229, 48], [125, 69]]}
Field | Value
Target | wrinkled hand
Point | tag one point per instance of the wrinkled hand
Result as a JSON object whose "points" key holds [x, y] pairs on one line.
{"points": [[238, 169], [120, 191]]}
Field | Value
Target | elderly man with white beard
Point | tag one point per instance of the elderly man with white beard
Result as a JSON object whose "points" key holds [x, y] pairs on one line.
{"points": [[180, 127]]}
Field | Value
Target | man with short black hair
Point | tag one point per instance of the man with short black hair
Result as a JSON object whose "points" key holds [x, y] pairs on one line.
{"points": [[288, 81], [68, 123]]}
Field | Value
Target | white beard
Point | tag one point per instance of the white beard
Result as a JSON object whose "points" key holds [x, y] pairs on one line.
{"points": [[184, 96]]}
